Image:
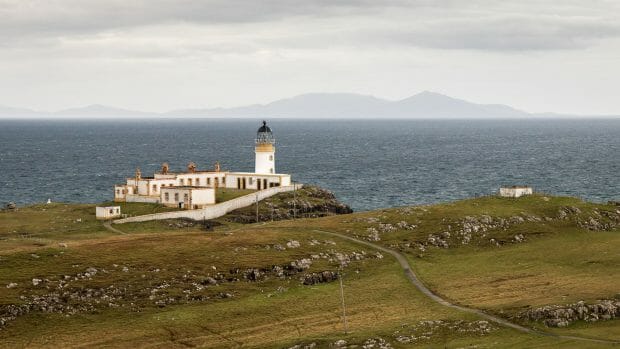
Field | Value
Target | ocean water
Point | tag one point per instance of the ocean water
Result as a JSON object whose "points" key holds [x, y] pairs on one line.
{"points": [[369, 164]]}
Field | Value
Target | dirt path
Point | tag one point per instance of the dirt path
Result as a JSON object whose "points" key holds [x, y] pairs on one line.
{"points": [[404, 263], [108, 225]]}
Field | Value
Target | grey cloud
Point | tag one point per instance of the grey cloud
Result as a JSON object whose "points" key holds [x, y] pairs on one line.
{"points": [[509, 33], [23, 17], [445, 24]]}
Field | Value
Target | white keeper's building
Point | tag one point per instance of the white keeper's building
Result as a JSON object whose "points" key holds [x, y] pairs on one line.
{"points": [[195, 188]]}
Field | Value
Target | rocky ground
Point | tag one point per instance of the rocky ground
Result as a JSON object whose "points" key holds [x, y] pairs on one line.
{"points": [[70, 294], [481, 229], [564, 315], [285, 269], [309, 202], [418, 333]]}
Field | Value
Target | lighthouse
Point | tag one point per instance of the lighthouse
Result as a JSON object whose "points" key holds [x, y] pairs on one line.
{"points": [[265, 150]]}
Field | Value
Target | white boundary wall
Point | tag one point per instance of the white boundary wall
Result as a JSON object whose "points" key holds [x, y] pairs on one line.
{"points": [[213, 211]]}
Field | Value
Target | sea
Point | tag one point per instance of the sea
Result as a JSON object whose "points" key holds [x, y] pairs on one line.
{"points": [[368, 164]]}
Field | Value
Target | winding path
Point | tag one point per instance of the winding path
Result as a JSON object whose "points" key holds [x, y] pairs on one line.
{"points": [[404, 263]]}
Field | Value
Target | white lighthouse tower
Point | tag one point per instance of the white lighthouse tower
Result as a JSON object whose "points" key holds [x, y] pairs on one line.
{"points": [[265, 150]]}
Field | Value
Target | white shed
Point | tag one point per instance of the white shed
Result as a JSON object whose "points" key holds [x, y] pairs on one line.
{"points": [[108, 212], [515, 191]]}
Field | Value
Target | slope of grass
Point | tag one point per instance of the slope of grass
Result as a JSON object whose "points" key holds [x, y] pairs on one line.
{"points": [[158, 273], [558, 261]]}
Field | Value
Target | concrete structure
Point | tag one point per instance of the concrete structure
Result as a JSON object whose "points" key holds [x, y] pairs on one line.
{"points": [[213, 211], [107, 212], [515, 191], [200, 186]]}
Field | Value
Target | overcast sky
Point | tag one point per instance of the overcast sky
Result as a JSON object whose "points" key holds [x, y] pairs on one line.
{"points": [[157, 55]]}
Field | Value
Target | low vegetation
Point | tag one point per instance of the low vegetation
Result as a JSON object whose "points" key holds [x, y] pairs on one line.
{"points": [[307, 202], [66, 281]]}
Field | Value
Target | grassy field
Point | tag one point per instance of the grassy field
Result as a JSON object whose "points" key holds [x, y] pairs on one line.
{"points": [[174, 284], [556, 261]]}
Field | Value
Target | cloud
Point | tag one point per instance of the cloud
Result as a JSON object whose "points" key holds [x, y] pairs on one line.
{"points": [[58, 53], [250, 26], [507, 33], [65, 17]]}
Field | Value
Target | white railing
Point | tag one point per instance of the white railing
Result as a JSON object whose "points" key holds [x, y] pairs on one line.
{"points": [[214, 211]]}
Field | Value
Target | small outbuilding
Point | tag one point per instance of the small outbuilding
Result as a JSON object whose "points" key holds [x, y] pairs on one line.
{"points": [[515, 191], [108, 212]]}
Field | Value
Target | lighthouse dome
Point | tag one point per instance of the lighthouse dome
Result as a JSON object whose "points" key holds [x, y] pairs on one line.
{"points": [[264, 134]]}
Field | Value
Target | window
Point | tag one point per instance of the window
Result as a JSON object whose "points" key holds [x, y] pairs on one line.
{"points": [[118, 192], [155, 187], [271, 170], [189, 181], [208, 181], [270, 157], [111, 211], [185, 197], [118, 210], [166, 197], [176, 196], [197, 181], [181, 181], [223, 180], [251, 179], [170, 184]]}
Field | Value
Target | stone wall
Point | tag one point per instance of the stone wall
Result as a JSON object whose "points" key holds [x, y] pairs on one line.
{"points": [[213, 211]]}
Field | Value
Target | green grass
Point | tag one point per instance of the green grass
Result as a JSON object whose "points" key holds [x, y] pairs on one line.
{"points": [[139, 208], [225, 194], [555, 269], [558, 263]]}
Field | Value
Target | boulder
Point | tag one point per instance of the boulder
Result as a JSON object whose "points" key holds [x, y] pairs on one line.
{"points": [[293, 244]]}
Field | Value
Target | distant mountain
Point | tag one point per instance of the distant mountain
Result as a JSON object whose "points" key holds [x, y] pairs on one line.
{"points": [[425, 105], [347, 105], [6, 112], [102, 111], [435, 105]]}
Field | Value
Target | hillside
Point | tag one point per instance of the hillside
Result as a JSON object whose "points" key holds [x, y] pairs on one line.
{"points": [[425, 105], [67, 281]]}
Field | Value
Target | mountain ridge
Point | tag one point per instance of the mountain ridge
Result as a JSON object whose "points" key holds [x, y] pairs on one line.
{"points": [[424, 105]]}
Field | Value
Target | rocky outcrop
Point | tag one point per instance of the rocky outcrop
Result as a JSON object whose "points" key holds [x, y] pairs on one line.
{"points": [[426, 330], [308, 202], [484, 229], [563, 315], [319, 278], [68, 295], [600, 220]]}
